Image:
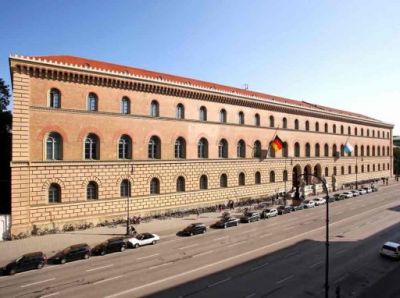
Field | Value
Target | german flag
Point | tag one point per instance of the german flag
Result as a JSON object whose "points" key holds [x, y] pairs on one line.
{"points": [[277, 144]]}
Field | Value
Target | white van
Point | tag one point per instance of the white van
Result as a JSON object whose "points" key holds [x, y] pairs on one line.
{"points": [[391, 249]]}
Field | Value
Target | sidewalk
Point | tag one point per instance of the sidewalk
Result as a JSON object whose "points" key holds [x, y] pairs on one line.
{"points": [[52, 243]]}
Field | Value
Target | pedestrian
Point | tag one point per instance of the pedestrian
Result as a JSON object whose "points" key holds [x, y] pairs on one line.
{"points": [[197, 212]]}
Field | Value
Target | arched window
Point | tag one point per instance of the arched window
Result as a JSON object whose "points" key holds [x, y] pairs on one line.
{"points": [[92, 147], [349, 130], [362, 168], [326, 127], [334, 128], [241, 117], [180, 111], [342, 170], [362, 150], [379, 134], [271, 121], [379, 166], [222, 116], [125, 189], [241, 149], [387, 151], [55, 98], [154, 186], [272, 176], [202, 148], [92, 102], [356, 169], [223, 149], [355, 131], [334, 151], [242, 179], [379, 151], [180, 148], [368, 151], [362, 132], [54, 146], [316, 126], [285, 175], [257, 149], [373, 133], [257, 178], [326, 172], [297, 150], [125, 105], [383, 166], [203, 182], [125, 147], [367, 132], [284, 122], [154, 148], [257, 120], [373, 150], [356, 150], [92, 191], [383, 150], [296, 124], [203, 113], [368, 168], [54, 193], [334, 171], [307, 125], [223, 180], [180, 184], [308, 150], [317, 150], [326, 150], [341, 129], [285, 150], [342, 150], [349, 169], [373, 167], [154, 109]]}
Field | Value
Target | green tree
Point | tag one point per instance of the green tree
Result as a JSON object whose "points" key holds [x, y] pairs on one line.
{"points": [[396, 155]]}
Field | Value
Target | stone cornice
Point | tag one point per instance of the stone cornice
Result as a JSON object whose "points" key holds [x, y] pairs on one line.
{"points": [[112, 79]]}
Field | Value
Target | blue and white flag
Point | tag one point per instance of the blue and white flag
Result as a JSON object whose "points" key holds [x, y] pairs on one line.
{"points": [[348, 148]]}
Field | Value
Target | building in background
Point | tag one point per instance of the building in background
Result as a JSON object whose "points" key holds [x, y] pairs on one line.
{"points": [[396, 155], [87, 135]]}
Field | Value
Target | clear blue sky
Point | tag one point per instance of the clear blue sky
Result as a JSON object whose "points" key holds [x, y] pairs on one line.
{"points": [[343, 54]]}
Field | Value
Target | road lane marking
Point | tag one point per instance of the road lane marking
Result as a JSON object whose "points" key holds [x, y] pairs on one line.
{"points": [[36, 283], [188, 246], [285, 279], [107, 279], [127, 291], [161, 265], [259, 266], [98, 268], [50, 295], [316, 264], [340, 251], [203, 253], [219, 282], [146, 257], [234, 244], [251, 295], [265, 235], [220, 238]]}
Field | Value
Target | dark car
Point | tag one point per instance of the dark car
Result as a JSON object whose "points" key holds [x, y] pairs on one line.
{"points": [[227, 222], [111, 245], [250, 216], [338, 197], [283, 210], [34, 260], [301, 206], [193, 229], [72, 253], [331, 199]]}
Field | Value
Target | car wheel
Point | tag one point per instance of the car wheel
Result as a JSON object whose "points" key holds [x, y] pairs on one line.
{"points": [[86, 256], [236, 224], [203, 231], [102, 253], [224, 226], [136, 245], [122, 248], [12, 271], [40, 265], [63, 261], [153, 242], [191, 234]]}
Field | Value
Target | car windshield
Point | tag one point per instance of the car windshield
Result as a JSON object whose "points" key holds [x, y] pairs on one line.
{"points": [[389, 248], [139, 237]]}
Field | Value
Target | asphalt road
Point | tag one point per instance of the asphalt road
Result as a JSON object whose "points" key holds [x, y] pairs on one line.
{"points": [[278, 257]]}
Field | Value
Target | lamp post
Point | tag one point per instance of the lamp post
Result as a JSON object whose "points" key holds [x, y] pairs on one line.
{"points": [[323, 181], [127, 204]]}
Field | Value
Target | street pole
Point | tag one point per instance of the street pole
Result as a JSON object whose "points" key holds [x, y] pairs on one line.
{"points": [[127, 205], [356, 172]]}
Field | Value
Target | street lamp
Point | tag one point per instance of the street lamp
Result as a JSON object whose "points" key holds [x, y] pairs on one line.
{"points": [[323, 181]]}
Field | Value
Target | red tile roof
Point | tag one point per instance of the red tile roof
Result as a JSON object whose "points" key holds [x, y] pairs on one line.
{"points": [[158, 75]]}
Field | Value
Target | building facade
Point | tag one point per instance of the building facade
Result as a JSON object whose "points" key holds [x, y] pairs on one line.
{"points": [[89, 135]]}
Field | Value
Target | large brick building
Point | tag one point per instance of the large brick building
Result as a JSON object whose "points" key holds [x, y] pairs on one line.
{"points": [[89, 134]]}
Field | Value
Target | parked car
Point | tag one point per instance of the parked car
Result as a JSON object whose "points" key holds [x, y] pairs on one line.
{"points": [[250, 216], [143, 239], [111, 245], [391, 249], [72, 253], [283, 209], [309, 204], [227, 222], [338, 197], [368, 189], [270, 212], [347, 194], [297, 207], [355, 192], [374, 188], [34, 260], [319, 201], [362, 191], [331, 199], [193, 229]]}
